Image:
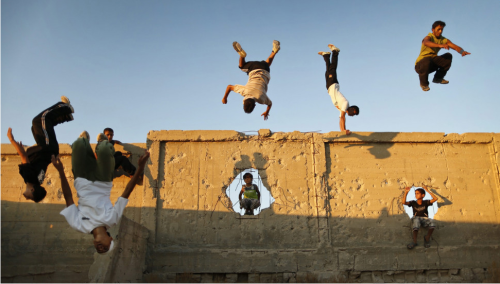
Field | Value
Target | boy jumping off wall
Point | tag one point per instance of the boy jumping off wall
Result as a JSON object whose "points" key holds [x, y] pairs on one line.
{"points": [[428, 61], [258, 78], [251, 195], [332, 85], [120, 159], [36, 159], [420, 215], [93, 181]]}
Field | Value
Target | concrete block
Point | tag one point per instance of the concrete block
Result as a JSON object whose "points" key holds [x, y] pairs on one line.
{"points": [[432, 276], [231, 278], [254, 278], [466, 274], [289, 277], [206, 278], [479, 274], [377, 277], [264, 132]]}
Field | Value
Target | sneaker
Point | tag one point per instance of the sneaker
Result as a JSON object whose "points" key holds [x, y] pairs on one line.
{"points": [[101, 137], [324, 53], [85, 135], [276, 46], [238, 49], [333, 48], [442, 81], [65, 100], [425, 88]]}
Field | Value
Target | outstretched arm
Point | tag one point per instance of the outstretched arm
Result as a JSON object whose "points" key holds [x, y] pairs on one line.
{"points": [[434, 197], [457, 48], [427, 42], [68, 196], [19, 147], [403, 201], [228, 90], [137, 176], [266, 113], [342, 124]]}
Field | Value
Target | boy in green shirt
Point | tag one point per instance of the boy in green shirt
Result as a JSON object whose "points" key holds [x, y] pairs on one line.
{"points": [[428, 61], [251, 195]]}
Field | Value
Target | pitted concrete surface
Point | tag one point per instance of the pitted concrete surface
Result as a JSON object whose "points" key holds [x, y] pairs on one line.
{"points": [[337, 215]]}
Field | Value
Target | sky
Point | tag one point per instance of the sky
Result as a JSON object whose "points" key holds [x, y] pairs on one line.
{"points": [[137, 66]]}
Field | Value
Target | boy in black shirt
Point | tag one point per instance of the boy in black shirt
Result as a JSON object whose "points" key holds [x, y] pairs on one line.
{"points": [[36, 159], [120, 159], [420, 215]]}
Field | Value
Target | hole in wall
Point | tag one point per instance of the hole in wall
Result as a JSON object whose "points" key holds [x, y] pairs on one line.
{"points": [[234, 189], [433, 209]]}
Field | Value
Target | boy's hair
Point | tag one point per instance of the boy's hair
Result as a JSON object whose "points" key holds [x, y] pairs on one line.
{"points": [[356, 108], [39, 193], [421, 190], [247, 175], [108, 129], [248, 105], [438, 23]]}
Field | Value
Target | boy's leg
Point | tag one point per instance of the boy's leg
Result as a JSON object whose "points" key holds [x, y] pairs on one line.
{"points": [[331, 69], [423, 70], [83, 160], [124, 162], [443, 64], [43, 125], [105, 161]]}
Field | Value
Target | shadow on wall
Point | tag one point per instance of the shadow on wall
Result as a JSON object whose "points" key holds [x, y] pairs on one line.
{"points": [[377, 149], [35, 250]]}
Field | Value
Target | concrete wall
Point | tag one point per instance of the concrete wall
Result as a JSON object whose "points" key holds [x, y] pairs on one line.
{"points": [[337, 214]]}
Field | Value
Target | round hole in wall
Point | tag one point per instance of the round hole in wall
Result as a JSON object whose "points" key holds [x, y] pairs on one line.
{"points": [[411, 196], [234, 189]]}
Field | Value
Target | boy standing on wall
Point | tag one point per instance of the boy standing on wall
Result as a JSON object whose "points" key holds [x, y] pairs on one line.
{"points": [[428, 61], [332, 85], [258, 78], [251, 195], [36, 159], [93, 181], [420, 215]]}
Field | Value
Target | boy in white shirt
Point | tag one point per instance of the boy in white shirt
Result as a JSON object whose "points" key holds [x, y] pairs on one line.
{"points": [[93, 181], [332, 85], [258, 78]]}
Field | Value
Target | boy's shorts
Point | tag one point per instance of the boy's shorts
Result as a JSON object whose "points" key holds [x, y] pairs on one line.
{"points": [[418, 221], [249, 203]]}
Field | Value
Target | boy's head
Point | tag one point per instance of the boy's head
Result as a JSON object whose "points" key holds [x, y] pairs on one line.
{"points": [[248, 105], [248, 177], [353, 110], [109, 133], [419, 193], [103, 242], [437, 28], [34, 192]]}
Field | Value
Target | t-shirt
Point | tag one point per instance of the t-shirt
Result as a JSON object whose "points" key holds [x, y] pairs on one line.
{"points": [[420, 209], [256, 87], [251, 192], [34, 171], [426, 51], [338, 99], [94, 206]]}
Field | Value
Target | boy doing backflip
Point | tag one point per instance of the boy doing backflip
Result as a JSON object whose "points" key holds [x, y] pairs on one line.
{"points": [[93, 181], [251, 195], [420, 215], [332, 85], [428, 61], [36, 159], [258, 78]]}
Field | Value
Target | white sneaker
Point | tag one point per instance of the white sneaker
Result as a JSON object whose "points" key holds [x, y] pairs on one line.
{"points": [[276, 46], [85, 135], [101, 137], [333, 48], [324, 53], [65, 100], [238, 49]]}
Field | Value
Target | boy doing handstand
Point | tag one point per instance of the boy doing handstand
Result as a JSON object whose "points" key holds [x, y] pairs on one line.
{"points": [[36, 159], [420, 215], [332, 85], [251, 195], [258, 78]]}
